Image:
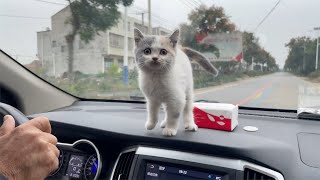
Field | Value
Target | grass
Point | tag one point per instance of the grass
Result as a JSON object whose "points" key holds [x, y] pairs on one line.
{"points": [[203, 79], [111, 86], [314, 75]]}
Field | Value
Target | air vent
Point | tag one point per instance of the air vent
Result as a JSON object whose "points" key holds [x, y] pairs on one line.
{"points": [[123, 166], [254, 175]]}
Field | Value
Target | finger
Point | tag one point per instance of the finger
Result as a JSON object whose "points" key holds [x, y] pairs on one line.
{"points": [[45, 163], [49, 138], [41, 123], [55, 150], [7, 126], [50, 161]]}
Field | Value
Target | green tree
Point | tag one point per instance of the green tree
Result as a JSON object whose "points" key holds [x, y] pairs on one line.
{"points": [[209, 20], [88, 18], [205, 20], [301, 57], [252, 49]]}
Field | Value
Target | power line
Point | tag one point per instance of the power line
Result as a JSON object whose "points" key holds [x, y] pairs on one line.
{"points": [[49, 2], [200, 1], [155, 16], [196, 3], [190, 3], [185, 4], [27, 17], [163, 22], [274, 7]]}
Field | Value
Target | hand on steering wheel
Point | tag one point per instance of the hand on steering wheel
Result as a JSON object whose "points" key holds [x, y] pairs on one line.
{"points": [[27, 148]]}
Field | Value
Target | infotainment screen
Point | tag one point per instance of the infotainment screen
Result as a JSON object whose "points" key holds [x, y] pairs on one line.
{"points": [[164, 172]]}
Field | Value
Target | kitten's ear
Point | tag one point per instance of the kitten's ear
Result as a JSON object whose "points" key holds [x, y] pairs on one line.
{"points": [[174, 37], [137, 35]]}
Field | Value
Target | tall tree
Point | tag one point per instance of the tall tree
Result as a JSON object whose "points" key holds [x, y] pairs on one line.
{"points": [[301, 57], [204, 20], [88, 18], [208, 20], [252, 49]]}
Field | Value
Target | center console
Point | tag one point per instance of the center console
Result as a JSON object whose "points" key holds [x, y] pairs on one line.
{"points": [[146, 163]]}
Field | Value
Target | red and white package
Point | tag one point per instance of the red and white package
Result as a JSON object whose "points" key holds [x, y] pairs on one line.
{"points": [[218, 116]]}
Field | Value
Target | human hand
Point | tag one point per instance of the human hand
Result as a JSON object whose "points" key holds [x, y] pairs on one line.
{"points": [[28, 151]]}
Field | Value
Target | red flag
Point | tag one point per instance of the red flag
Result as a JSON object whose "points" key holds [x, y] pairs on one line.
{"points": [[239, 57]]}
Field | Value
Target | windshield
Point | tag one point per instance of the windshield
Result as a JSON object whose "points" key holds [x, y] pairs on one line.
{"points": [[266, 51]]}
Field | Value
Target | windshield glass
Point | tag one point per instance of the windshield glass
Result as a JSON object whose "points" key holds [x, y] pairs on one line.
{"points": [[265, 50]]}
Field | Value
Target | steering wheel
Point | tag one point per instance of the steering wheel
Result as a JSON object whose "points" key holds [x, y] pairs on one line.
{"points": [[18, 116]]}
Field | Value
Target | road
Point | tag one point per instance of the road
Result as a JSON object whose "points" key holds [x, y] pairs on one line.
{"points": [[278, 90]]}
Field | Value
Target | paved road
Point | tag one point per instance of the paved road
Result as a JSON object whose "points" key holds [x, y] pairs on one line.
{"points": [[278, 90]]}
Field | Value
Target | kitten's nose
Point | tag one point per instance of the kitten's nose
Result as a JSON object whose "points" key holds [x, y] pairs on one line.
{"points": [[155, 59]]}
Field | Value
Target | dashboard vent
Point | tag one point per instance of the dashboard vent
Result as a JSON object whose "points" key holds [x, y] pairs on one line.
{"points": [[254, 175], [123, 166]]}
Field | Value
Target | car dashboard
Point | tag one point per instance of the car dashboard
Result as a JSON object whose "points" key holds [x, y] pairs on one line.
{"points": [[107, 140]]}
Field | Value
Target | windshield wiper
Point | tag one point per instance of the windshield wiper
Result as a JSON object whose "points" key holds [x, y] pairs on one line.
{"points": [[137, 97], [309, 113], [206, 101]]}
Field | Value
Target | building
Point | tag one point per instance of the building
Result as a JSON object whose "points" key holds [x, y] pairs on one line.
{"points": [[94, 57], [34, 66]]}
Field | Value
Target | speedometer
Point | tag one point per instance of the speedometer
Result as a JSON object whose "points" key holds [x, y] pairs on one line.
{"points": [[91, 167]]}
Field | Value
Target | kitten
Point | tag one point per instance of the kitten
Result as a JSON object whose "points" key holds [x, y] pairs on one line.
{"points": [[165, 78]]}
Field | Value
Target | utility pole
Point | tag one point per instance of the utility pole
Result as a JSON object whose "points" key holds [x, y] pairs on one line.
{"points": [[317, 50], [42, 46], [317, 53], [304, 59], [54, 65], [149, 15], [125, 56], [142, 17], [252, 59]]}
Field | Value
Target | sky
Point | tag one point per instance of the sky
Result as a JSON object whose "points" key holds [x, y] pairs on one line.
{"points": [[291, 18]]}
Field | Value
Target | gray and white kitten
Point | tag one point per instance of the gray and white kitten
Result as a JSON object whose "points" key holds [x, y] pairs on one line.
{"points": [[165, 78]]}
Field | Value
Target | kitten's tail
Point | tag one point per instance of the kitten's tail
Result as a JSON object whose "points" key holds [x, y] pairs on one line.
{"points": [[201, 60]]}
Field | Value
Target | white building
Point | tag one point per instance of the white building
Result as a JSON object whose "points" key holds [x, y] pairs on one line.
{"points": [[92, 58]]}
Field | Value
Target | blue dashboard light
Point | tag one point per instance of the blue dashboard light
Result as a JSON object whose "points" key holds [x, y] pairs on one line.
{"points": [[94, 168]]}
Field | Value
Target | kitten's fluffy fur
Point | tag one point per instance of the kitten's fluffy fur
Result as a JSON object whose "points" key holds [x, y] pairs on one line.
{"points": [[165, 77]]}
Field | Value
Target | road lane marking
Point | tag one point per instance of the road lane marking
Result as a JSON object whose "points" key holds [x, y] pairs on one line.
{"points": [[227, 85], [258, 95], [255, 95]]}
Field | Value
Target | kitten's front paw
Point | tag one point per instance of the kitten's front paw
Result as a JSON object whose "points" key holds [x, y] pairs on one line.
{"points": [[150, 125], [163, 124], [191, 126], [169, 132]]}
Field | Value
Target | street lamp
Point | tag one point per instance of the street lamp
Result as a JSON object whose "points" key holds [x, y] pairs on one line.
{"points": [[317, 52]]}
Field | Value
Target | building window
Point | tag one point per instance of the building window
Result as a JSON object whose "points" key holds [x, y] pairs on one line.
{"points": [[142, 28], [162, 33], [129, 28], [54, 44], [63, 48], [81, 44], [107, 63], [116, 41], [130, 44]]}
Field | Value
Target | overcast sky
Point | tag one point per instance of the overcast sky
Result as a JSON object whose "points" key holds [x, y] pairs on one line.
{"points": [[290, 19]]}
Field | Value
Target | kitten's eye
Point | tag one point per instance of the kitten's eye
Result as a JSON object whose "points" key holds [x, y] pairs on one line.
{"points": [[147, 51], [163, 52]]}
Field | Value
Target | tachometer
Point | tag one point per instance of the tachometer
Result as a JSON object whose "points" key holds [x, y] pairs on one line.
{"points": [[91, 167]]}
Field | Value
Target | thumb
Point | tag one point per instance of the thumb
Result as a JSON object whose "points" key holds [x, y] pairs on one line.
{"points": [[8, 125]]}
